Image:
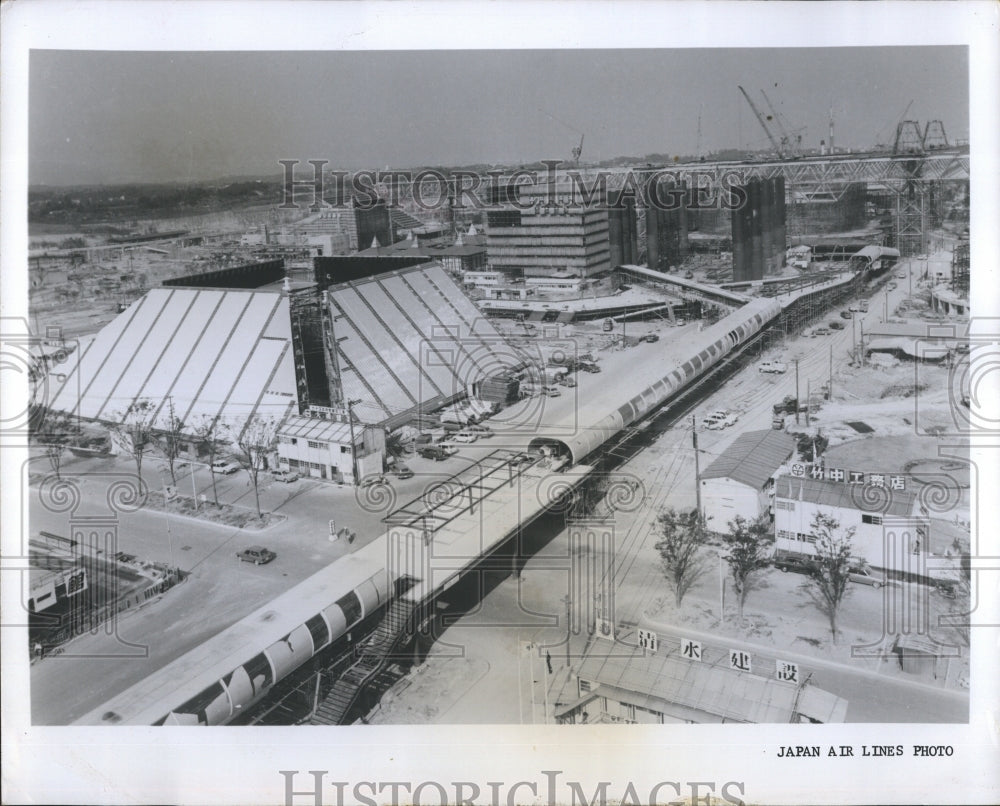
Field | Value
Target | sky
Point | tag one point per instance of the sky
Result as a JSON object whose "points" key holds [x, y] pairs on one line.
{"points": [[108, 117]]}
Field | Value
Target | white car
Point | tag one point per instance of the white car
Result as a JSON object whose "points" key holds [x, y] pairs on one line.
{"points": [[772, 366], [717, 423], [224, 466], [464, 436]]}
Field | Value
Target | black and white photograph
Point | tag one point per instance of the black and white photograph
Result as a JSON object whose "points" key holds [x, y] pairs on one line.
{"points": [[611, 391]]}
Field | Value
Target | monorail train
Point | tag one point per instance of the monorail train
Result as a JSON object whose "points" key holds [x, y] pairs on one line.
{"points": [[707, 349], [217, 681], [223, 677]]}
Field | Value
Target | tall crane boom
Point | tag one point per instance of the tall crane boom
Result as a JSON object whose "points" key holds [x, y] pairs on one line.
{"points": [[763, 125], [785, 139]]}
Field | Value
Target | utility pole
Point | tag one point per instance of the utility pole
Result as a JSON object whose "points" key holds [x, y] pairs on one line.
{"points": [[808, 399], [569, 605], [697, 464], [886, 317], [829, 385], [862, 342], [796, 391]]}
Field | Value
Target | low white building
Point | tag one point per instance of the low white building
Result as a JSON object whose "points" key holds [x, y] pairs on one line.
{"points": [[798, 499], [740, 480], [321, 447]]}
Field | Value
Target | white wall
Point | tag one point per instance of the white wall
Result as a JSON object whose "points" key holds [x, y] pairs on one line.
{"points": [[723, 499]]}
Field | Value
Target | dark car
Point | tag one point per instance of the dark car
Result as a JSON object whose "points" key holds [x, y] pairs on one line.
{"points": [[402, 472], [258, 555], [846, 314], [652, 338], [792, 562], [835, 325]]}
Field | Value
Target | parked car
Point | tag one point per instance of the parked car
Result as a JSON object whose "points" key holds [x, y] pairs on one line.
{"points": [[688, 275], [224, 467], [863, 575], [435, 452], [423, 439], [286, 476], [551, 391], [822, 331], [797, 563], [778, 422], [854, 308], [772, 366], [652, 338], [258, 555], [835, 325], [864, 307], [402, 472], [372, 479], [465, 436], [589, 366], [901, 275], [481, 431], [846, 315], [893, 286]]}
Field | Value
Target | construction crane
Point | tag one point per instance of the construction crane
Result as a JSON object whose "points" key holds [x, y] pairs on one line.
{"points": [[577, 149], [763, 125], [786, 139]]}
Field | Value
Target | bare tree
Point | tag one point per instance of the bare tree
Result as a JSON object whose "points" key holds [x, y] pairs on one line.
{"points": [[828, 585], [255, 442], [682, 535], [171, 443], [748, 544], [135, 427], [207, 429], [53, 431]]}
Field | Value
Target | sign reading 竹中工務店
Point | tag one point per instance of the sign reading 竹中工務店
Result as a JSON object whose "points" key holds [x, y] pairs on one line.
{"points": [[815, 471]]}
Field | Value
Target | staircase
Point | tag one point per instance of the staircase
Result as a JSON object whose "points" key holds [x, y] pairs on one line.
{"points": [[370, 667]]}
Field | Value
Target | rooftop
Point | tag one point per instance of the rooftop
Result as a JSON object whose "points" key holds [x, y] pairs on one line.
{"points": [[840, 495], [753, 458]]}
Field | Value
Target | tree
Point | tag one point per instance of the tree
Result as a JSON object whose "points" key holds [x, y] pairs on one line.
{"points": [[682, 534], [53, 431], [136, 429], [748, 545], [171, 443], [828, 585], [206, 429], [255, 442]]}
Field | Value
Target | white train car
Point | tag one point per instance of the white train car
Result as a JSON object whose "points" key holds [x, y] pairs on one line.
{"points": [[707, 349], [220, 679]]}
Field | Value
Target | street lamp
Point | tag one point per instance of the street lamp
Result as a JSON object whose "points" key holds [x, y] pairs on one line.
{"points": [[354, 454]]}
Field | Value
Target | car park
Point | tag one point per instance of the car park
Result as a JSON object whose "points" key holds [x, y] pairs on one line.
{"points": [[258, 555], [224, 467], [286, 476], [772, 366]]}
